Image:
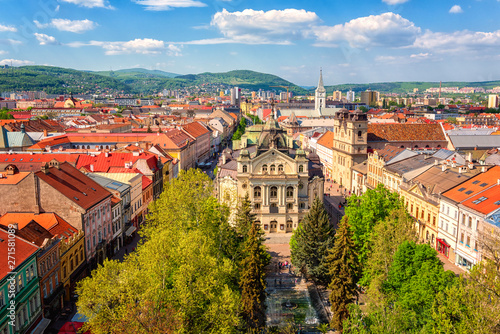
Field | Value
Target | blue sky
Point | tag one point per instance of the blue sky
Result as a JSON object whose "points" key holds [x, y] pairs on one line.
{"points": [[352, 41]]}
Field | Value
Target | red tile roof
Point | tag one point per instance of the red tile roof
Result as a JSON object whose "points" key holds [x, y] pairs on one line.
{"points": [[75, 185], [405, 132], [195, 129], [24, 250], [326, 139], [103, 163], [146, 182]]}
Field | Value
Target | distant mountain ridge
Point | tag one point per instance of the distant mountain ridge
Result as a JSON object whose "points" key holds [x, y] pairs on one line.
{"points": [[56, 80]]}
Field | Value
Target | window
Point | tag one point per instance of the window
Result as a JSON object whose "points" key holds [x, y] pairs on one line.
{"points": [[2, 299], [301, 169], [469, 192], [289, 206], [264, 168], [462, 238], [44, 291], [50, 285], [461, 189], [273, 168], [20, 282], [289, 192], [256, 192], [256, 206], [280, 168], [468, 241], [274, 192], [360, 133], [470, 221], [245, 168], [302, 205], [446, 227]]}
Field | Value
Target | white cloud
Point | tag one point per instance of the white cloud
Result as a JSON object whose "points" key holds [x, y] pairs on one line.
{"points": [[387, 30], [90, 3], [456, 9], [57, 8], [140, 46], [258, 27], [459, 41], [394, 2], [158, 5], [3, 52], [76, 26], [7, 28], [9, 41], [15, 62], [46, 39], [421, 55]]}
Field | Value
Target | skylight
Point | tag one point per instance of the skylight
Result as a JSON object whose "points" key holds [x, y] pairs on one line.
{"points": [[479, 200], [483, 184], [461, 189], [476, 182], [469, 192]]}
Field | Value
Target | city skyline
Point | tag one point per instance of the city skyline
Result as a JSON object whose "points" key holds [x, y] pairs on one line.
{"points": [[361, 42]]}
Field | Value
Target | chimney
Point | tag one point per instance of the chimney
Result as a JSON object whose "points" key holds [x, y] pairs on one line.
{"points": [[92, 168], [106, 154], [483, 169], [435, 162], [45, 168], [443, 168], [223, 158], [471, 165], [45, 133], [498, 181], [453, 164]]}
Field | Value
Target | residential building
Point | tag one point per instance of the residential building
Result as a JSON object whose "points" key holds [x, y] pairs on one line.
{"points": [[25, 281], [370, 97], [324, 150]]}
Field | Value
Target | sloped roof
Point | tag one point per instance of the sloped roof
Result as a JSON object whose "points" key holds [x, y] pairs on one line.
{"points": [[103, 163], [195, 129], [389, 152], [404, 132], [76, 186], [485, 202], [24, 250], [474, 185], [326, 139]]}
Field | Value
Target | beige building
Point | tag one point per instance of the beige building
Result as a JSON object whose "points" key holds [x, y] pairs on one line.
{"points": [[280, 179], [349, 144]]}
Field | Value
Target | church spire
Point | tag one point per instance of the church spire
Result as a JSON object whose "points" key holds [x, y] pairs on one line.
{"points": [[321, 87]]}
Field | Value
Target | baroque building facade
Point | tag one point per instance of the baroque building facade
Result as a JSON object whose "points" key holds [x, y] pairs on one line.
{"points": [[280, 179]]}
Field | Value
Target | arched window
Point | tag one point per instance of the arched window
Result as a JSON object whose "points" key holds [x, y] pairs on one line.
{"points": [[274, 192], [360, 133], [245, 168], [416, 146], [264, 168], [289, 206], [301, 169], [439, 146], [273, 168], [256, 192], [402, 146], [289, 192], [427, 236], [426, 146], [280, 168]]}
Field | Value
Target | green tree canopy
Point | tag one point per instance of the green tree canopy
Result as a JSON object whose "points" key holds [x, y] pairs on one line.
{"points": [[312, 241]]}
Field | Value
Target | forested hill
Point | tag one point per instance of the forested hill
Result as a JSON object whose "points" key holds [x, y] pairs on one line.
{"points": [[407, 87], [244, 79], [57, 80]]}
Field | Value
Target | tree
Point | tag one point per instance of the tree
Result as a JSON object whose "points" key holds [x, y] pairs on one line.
{"points": [[365, 212], [344, 270], [388, 234], [252, 283], [384, 104], [363, 108], [182, 271], [313, 241]]}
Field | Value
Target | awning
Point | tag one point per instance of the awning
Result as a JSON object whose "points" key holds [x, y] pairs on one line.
{"points": [[130, 230], [42, 326], [443, 241]]}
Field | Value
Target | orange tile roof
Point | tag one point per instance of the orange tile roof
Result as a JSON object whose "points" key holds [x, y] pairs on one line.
{"points": [[485, 202], [474, 185], [326, 139], [13, 179], [49, 221], [24, 250]]}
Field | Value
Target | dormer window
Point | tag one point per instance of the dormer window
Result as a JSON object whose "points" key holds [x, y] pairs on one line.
{"points": [[280, 168], [245, 168], [264, 169], [273, 168], [301, 169]]}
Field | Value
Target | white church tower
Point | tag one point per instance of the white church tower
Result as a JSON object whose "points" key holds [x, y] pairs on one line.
{"points": [[320, 95]]}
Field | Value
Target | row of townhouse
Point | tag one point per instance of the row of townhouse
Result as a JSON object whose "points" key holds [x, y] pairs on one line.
{"points": [[75, 220], [449, 197]]}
